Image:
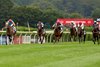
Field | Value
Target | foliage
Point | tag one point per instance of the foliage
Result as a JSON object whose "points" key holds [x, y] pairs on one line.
{"points": [[5, 7], [21, 28], [31, 11], [84, 7], [96, 13], [75, 15]]}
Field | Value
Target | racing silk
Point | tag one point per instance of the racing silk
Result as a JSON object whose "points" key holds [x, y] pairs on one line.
{"points": [[73, 26], [82, 26], [10, 23], [40, 24], [96, 26], [61, 26], [55, 25]]}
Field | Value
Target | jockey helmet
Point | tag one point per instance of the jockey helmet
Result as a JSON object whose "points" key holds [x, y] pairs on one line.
{"points": [[58, 23], [10, 20], [39, 22], [80, 23]]}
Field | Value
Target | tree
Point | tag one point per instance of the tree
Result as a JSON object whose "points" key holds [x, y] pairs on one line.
{"points": [[26, 14], [96, 13], [75, 15], [5, 6]]}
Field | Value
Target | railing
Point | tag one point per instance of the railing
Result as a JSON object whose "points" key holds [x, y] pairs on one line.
{"points": [[36, 32], [31, 37]]}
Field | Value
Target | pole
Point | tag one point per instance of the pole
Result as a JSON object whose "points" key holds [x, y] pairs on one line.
{"points": [[28, 26]]}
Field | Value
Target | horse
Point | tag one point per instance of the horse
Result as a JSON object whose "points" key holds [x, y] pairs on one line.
{"points": [[57, 33], [96, 35], [81, 35], [10, 33], [41, 33], [73, 33]]}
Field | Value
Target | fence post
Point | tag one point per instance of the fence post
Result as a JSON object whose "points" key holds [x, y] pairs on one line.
{"points": [[31, 36], [35, 38], [51, 37], [19, 38], [1, 39], [47, 38]]}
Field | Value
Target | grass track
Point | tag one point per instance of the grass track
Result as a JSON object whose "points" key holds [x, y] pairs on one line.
{"points": [[65, 54]]}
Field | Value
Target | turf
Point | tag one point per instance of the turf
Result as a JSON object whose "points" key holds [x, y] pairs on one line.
{"points": [[65, 54]]}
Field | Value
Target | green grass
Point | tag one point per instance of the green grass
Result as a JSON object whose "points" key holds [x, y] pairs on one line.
{"points": [[65, 54]]}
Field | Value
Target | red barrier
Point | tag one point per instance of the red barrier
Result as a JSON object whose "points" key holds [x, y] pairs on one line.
{"points": [[87, 22], [18, 40]]}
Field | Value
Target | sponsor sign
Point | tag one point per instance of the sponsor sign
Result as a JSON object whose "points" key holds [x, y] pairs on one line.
{"points": [[87, 22]]}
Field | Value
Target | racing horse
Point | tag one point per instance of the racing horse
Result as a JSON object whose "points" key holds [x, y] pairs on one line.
{"points": [[57, 33], [40, 33], [81, 35], [96, 35], [73, 34], [10, 34]]}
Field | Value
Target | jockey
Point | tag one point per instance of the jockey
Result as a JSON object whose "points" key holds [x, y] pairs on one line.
{"points": [[58, 24], [96, 25], [11, 23], [41, 23], [61, 27], [73, 24], [81, 25]]}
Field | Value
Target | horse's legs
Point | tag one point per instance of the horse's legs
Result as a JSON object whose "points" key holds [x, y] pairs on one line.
{"points": [[55, 39], [72, 38], [84, 37], [59, 37], [94, 39], [42, 38], [38, 38], [7, 40], [10, 39], [79, 39], [98, 40]]}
